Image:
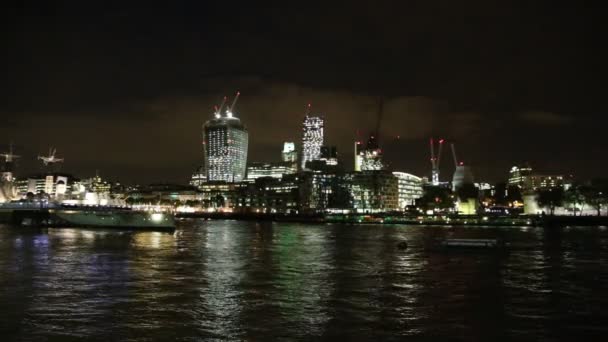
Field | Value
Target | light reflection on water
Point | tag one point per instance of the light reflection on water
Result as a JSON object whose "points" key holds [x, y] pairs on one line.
{"points": [[231, 280]]}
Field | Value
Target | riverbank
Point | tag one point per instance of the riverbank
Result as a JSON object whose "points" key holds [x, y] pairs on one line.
{"points": [[469, 220]]}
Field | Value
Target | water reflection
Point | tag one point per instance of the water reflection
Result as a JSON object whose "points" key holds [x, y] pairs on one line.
{"points": [[230, 280]]}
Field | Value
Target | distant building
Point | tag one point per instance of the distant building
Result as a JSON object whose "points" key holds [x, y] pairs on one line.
{"points": [[257, 170], [518, 175], [270, 195], [370, 158], [199, 177], [535, 182], [100, 186], [373, 191], [358, 156], [289, 154], [225, 141], [159, 194], [462, 176], [329, 154], [523, 178], [410, 188], [312, 138], [55, 185]]}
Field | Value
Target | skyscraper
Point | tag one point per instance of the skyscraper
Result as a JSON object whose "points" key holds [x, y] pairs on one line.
{"points": [[312, 138], [225, 141], [368, 158], [289, 153]]}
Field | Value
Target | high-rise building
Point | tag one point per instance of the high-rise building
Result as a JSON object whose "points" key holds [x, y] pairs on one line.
{"points": [[371, 156], [225, 141], [289, 154], [312, 138], [358, 156]]}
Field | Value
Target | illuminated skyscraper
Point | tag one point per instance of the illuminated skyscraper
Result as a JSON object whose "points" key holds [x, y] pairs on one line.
{"points": [[225, 141], [368, 158], [312, 138], [289, 153]]}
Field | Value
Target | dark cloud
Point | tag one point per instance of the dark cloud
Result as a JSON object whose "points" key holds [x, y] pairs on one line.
{"points": [[545, 118], [125, 88]]}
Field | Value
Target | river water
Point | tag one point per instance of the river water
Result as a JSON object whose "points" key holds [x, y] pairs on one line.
{"points": [[232, 280]]}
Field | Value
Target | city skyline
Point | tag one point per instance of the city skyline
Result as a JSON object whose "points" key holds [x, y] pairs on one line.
{"points": [[125, 90]]}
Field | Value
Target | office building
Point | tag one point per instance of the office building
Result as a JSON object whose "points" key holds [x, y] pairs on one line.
{"points": [[329, 154], [410, 188], [225, 141], [257, 170], [289, 154], [312, 139]]}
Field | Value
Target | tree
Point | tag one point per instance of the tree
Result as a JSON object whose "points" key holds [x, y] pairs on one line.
{"points": [[550, 198], [575, 198], [596, 194]]}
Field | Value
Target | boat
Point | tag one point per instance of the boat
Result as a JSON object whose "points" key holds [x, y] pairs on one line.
{"points": [[471, 243], [59, 215], [110, 218]]}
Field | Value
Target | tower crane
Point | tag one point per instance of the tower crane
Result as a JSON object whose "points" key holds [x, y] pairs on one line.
{"points": [[218, 110], [51, 158], [230, 109], [435, 160]]}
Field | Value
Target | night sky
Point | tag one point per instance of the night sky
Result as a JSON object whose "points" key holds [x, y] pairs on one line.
{"points": [[125, 90]]}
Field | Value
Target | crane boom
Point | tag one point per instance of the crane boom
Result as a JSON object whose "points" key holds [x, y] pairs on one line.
{"points": [[454, 155], [379, 118], [439, 153], [231, 109], [219, 111], [432, 153]]}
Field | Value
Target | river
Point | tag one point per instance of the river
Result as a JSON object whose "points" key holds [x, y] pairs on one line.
{"points": [[234, 280]]}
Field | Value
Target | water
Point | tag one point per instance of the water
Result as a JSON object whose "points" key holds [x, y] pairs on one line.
{"points": [[230, 280]]}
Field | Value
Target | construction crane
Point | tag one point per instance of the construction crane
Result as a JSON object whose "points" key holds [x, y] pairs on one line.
{"points": [[435, 161], [50, 159], [9, 156], [456, 163], [230, 109], [379, 117], [218, 110]]}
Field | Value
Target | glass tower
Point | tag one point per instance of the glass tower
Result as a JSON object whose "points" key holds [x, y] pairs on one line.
{"points": [[312, 138], [225, 142]]}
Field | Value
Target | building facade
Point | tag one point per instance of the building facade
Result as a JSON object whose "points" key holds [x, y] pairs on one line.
{"points": [[275, 170], [289, 153], [410, 188], [373, 191], [225, 142], [312, 138], [518, 175]]}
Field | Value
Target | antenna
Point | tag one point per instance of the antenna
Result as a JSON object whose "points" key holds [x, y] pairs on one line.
{"points": [[307, 110]]}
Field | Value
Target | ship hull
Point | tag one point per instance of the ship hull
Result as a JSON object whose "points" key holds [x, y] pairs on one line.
{"points": [[132, 220]]}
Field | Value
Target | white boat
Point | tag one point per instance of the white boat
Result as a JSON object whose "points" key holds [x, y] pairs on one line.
{"points": [[111, 218]]}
